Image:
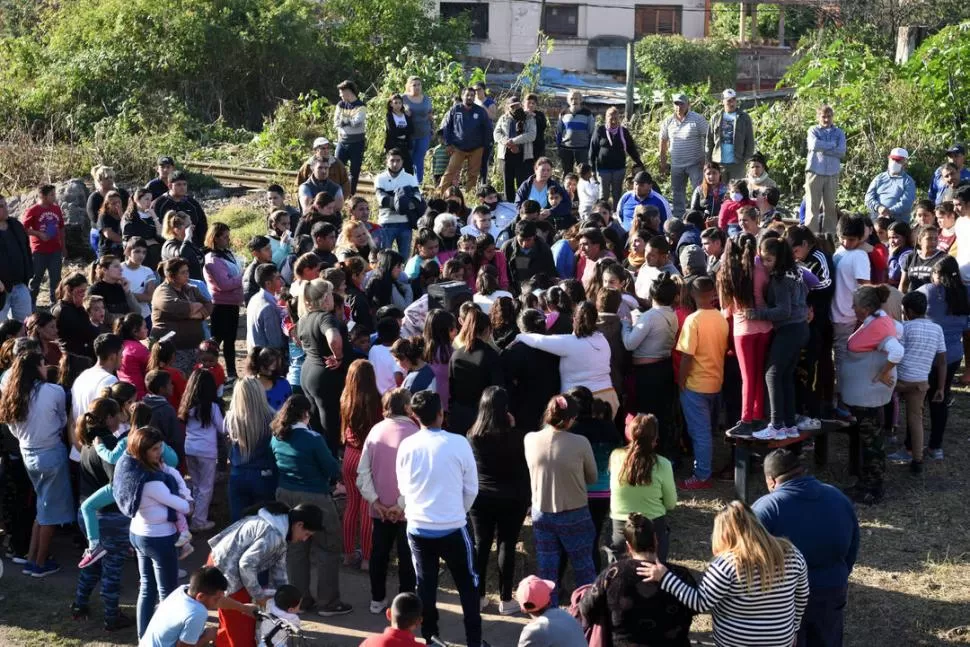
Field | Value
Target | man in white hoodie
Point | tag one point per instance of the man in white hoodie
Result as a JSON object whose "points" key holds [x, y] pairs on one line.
{"points": [[438, 480], [394, 226]]}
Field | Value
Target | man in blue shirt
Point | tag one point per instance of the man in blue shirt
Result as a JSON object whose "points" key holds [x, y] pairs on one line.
{"points": [[892, 192], [467, 130], [180, 618], [820, 520], [642, 194], [956, 155]]}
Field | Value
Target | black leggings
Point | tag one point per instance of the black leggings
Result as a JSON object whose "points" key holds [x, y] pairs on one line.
{"points": [[225, 328], [501, 520], [939, 414], [323, 387]]}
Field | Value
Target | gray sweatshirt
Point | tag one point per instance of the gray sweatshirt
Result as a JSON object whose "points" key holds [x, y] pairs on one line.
{"points": [[786, 300]]}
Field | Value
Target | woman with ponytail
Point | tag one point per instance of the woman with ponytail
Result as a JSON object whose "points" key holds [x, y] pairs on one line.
{"points": [[641, 481], [561, 465], [741, 283], [134, 354]]}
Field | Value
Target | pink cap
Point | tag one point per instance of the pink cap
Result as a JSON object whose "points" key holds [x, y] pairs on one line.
{"points": [[534, 594]]}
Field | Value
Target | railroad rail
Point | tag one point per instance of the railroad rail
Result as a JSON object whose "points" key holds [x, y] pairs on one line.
{"points": [[251, 177]]}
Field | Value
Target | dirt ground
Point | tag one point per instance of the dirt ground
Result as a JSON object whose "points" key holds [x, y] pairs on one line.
{"points": [[909, 586]]}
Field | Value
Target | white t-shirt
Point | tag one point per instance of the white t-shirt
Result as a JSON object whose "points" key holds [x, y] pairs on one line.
{"points": [[385, 366], [177, 618], [87, 388], [137, 281], [485, 301], [850, 268], [962, 230], [200, 440]]}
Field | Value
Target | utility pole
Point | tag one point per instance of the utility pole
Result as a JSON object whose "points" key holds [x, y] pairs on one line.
{"points": [[631, 73]]}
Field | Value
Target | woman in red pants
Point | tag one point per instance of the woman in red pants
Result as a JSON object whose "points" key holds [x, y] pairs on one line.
{"points": [[360, 410]]}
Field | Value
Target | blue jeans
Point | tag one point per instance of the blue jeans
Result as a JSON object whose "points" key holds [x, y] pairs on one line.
{"points": [[247, 487], [700, 413], [419, 148], [49, 264], [400, 232], [18, 305], [108, 569], [94, 238], [351, 154], [158, 569]]}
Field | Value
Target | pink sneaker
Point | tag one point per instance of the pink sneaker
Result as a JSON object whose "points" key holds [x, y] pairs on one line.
{"points": [[694, 483], [91, 555]]}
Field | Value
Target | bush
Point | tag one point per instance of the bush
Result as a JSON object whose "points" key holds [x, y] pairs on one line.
{"points": [[244, 222], [674, 61]]}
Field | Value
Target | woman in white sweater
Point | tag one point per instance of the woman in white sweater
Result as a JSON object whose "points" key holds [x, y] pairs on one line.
{"points": [[584, 355], [153, 532]]}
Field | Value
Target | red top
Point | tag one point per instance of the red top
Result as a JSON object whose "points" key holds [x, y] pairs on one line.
{"points": [[392, 638], [178, 383], [879, 262], [218, 373], [49, 220], [729, 212]]}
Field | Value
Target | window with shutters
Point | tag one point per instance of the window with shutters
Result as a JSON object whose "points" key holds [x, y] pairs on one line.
{"points": [[561, 20], [475, 12], [657, 19]]}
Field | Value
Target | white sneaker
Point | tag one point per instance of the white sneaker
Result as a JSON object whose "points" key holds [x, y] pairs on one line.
{"points": [[185, 551], [378, 606], [508, 607], [770, 433], [184, 538], [183, 574], [793, 432], [807, 424]]}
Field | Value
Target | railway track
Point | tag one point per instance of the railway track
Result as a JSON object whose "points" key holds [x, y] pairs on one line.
{"points": [[251, 177]]}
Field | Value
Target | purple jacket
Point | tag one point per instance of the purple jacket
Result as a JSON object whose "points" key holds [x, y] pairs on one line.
{"points": [[224, 278]]}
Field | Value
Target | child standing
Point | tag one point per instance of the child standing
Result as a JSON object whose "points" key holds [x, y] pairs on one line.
{"points": [[94, 306], [925, 350], [134, 354], [852, 269], [426, 245], [203, 424], [900, 249], [44, 223], [161, 358], [279, 237], [589, 190], [702, 344], [209, 360], [409, 355], [786, 308], [141, 279]]}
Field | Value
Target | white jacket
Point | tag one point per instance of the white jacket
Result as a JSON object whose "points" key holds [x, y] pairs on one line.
{"points": [[386, 184], [438, 479], [585, 361]]}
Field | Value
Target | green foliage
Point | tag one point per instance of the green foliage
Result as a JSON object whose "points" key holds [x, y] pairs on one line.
{"points": [[286, 136], [676, 61], [799, 21], [244, 221]]}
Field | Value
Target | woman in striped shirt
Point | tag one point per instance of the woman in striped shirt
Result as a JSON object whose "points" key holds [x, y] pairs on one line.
{"points": [[756, 588]]}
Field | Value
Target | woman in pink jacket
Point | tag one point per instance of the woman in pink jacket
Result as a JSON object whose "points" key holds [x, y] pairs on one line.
{"points": [[377, 481], [223, 275]]}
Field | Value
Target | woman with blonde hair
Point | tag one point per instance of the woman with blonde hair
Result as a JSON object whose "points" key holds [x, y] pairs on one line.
{"points": [[354, 240], [178, 244], [756, 588], [327, 346], [252, 472], [104, 183]]}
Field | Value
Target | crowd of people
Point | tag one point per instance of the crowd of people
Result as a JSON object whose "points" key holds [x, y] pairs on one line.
{"points": [[560, 350]]}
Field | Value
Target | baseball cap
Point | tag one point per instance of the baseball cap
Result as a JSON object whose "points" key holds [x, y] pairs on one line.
{"points": [[729, 94], [165, 160], [899, 153], [321, 141], [534, 594], [679, 98], [957, 149]]}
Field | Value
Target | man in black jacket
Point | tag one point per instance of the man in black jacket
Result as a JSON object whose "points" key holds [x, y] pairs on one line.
{"points": [[16, 267], [527, 256], [178, 199], [531, 373]]}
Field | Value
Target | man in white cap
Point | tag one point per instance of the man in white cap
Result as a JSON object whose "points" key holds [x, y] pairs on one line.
{"points": [[892, 192], [682, 135], [550, 625], [730, 139], [323, 149]]}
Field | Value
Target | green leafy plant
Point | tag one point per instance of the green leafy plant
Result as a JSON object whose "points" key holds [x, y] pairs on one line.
{"points": [[675, 61]]}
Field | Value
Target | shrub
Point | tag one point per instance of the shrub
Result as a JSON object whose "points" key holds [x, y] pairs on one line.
{"points": [[675, 61]]}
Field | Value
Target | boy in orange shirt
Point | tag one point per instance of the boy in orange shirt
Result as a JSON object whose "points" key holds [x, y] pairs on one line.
{"points": [[703, 343]]}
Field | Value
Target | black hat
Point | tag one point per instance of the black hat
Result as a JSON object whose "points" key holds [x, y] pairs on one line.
{"points": [[957, 149], [781, 461], [165, 160]]}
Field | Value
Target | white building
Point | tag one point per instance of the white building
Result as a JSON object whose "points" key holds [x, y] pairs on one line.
{"points": [[588, 36]]}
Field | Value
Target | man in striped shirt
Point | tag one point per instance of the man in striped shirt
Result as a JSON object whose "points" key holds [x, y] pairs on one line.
{"points": [[683, 135]]}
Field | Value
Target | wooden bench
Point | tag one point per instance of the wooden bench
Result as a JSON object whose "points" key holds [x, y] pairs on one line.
{"points": [[747, 446]]}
